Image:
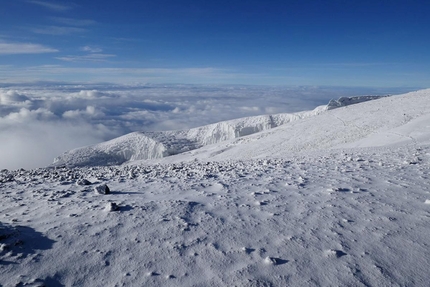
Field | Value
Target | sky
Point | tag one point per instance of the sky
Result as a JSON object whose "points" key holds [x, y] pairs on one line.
{"points": [[379, 43]]}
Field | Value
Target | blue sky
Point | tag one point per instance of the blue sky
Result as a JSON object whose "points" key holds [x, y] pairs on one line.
{"points": [[301, 42]]}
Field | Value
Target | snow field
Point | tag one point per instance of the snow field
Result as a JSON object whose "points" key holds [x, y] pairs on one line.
{"points": [[341, 218]]}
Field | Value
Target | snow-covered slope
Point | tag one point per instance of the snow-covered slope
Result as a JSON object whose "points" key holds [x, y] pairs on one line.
{"points": [[394, 120], [356, 218], [150, 145], [338, 199]]}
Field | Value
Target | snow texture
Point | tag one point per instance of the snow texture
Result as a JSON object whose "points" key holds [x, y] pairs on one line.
{"points": [[336, 199]]}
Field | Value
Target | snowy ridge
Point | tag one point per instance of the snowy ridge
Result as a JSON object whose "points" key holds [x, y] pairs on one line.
{"points": [[394, 120], [152, 145], [133, 146], [346, 101]]}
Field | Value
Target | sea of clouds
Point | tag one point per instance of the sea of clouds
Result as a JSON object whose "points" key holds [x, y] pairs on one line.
{"points": [[39, 122]]}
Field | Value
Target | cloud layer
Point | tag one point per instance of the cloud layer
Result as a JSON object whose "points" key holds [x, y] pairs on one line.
{"points": [[38, 123]]}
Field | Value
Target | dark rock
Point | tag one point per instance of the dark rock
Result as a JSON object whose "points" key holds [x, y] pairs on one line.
{"points": [[83, 182], [112, 206], [102, 189]]}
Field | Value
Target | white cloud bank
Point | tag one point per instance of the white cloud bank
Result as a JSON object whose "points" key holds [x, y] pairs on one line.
{"points": [[37, 123]]}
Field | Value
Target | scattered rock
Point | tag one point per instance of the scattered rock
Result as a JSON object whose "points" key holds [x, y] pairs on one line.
{"points": [[274, 261], [338, 189], [112, 206], [33, 283], [83, 182], [335, 253], [7, 178], [248, 250], [102, 189]]}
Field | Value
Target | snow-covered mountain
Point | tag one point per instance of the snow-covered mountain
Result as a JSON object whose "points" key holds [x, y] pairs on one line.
{"points": [[387, 121], [150, 145], [338, 198], [153, 145]]}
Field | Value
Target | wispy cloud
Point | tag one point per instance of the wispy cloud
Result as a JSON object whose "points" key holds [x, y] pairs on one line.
{"points": [[86, 58], [58, 30], [74, 22], [354, 64], [91, 49], [24, 48], [51, 6]]}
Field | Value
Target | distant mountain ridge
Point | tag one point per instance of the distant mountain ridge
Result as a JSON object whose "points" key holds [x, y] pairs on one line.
{"points": [[152, 145], [346, 101]]}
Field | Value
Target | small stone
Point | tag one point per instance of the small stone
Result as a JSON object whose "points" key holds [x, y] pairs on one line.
{"points": [[112, 206], [102, 189], [274, 261], [83, 182], [335, 253], [270, 260]]}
